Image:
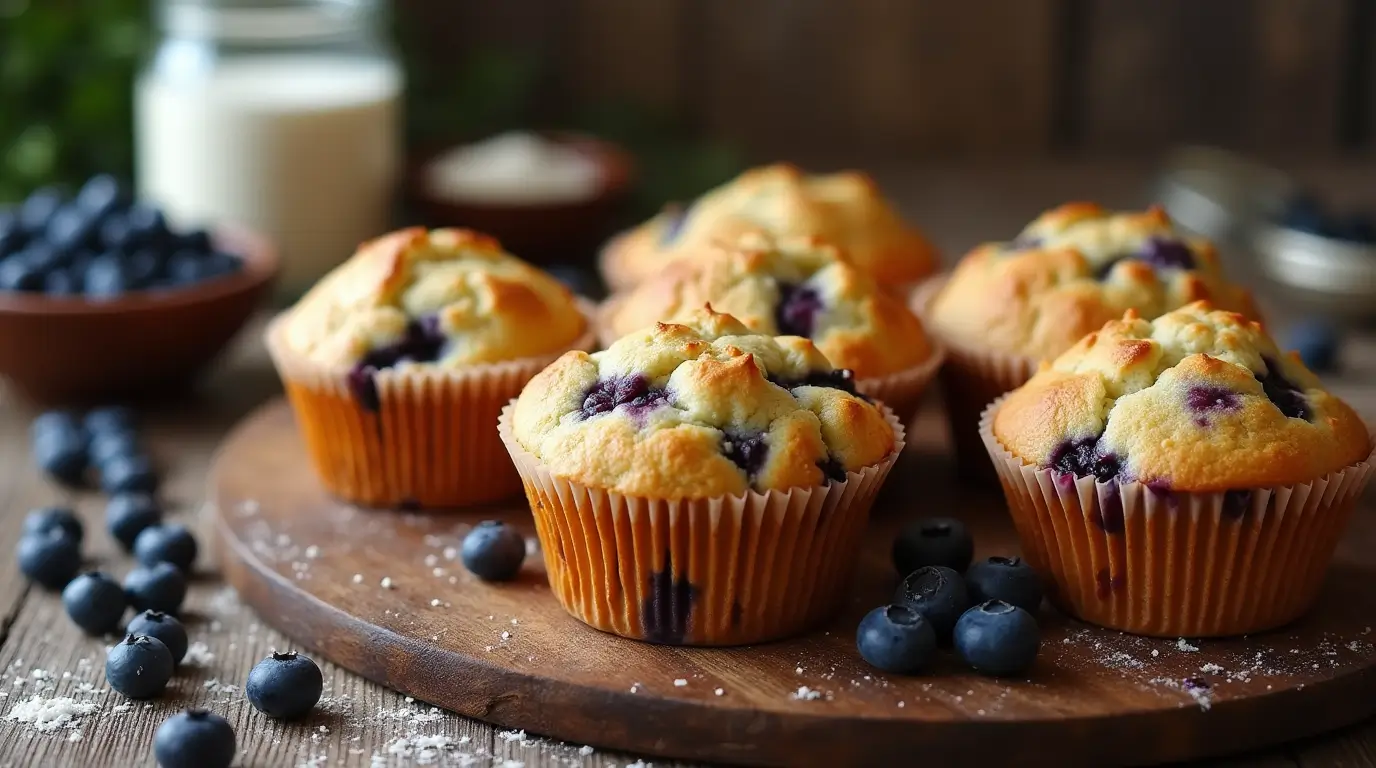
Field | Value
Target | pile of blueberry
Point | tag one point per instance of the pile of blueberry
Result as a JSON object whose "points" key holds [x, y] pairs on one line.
{"points": [[1307, 213], [100, 244], [985, 610]]}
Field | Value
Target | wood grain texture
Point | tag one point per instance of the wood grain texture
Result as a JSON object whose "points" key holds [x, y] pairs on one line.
{"points": [[1245, 73], [954, 203]]}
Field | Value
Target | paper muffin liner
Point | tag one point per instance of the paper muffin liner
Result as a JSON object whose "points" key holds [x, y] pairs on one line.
{"points": [[431, 443], [970, 380], [726, 570], [1176, 563]]}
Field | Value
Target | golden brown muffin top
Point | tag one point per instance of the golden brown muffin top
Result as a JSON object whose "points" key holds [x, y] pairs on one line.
{"points": [[796, 286], [844, 208], [1196, 400], [699, 409], [444, 298], [1070, 271]]}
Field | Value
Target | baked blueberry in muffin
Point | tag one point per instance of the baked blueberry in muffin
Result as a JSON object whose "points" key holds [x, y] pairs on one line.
{"points": [[699, 409], [843, 208], [1196, 400], [795, 286]]}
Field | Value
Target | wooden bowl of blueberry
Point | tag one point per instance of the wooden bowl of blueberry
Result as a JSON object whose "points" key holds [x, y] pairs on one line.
{"points": [[101, 300]]}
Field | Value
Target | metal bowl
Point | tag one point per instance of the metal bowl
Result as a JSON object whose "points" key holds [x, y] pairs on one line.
{"points": [[1219, 194], [1323, 275]]}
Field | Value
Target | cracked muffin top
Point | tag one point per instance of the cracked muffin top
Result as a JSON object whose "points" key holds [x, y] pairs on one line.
{"points": [[1070, 271], [444, 298], [798, 286], [1196, 400], [698, 409], [843, 208]]}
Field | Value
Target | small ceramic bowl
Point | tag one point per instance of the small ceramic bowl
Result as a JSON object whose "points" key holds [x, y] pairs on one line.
{"points": [[542, 233], [1323, 276], [75, 351]]}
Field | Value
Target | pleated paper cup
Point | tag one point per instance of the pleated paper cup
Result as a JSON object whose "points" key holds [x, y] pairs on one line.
{"points": [[1176, 563], [430, 443], [970, 379], [726, 570]]}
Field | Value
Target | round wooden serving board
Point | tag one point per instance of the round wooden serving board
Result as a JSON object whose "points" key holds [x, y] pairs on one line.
{"points": [[314, 568]]}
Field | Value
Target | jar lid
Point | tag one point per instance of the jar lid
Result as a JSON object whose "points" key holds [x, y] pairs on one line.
{"points": [[265, 22]]}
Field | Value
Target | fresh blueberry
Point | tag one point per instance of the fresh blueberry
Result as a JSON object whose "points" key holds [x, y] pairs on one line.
{"points": [[128, 473], [171, 543], [196, 241], [111, 418], [285, 686], [936, 592], [159, 587], [43, 257], [107, 277], [164, 627], [1009, 579], [102, 194], [60, 283], [12, 236], [220, 264], [45, 519], [127, 514], [51, 558], [493, 551], [108, 446], [59, 447], [998, 638], [896, 639], [38, 209], [114, 233], [19, 274], [184, 268], [933, 541], [1317, 343], [147, 225], [95, 602], [71, 228], [194, 739], [54, 421], [139, 666]]}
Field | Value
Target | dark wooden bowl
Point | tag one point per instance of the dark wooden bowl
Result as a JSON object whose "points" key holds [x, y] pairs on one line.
{"points": [[73, 351], [542, 233]]}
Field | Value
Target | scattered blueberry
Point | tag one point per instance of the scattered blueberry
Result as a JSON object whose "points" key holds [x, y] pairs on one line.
{"points": [[194, 739], [1009, 579], [171, 543], [285, 686], [998, 638], [493, 551], [1317, 343], [159, 587], [936, 592], [45, 519], [108, 446], [164, 627], [127, 474], [110, 419], [95, 602], [139, 666], [896, 639], [59, 446], [50, 558], [127, 514], [933, 541]]}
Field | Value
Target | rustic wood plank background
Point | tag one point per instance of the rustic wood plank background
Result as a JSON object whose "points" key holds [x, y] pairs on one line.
{"points": [[360, 723], [897, 79]]}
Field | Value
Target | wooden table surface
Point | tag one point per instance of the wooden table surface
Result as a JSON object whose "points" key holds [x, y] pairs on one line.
{"points": [[360, 723]]}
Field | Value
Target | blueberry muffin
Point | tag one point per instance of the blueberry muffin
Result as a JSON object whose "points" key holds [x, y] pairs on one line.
{"points": [[1008, 306], [398, 362], [842, 208], [798, 286], [663, 470], [1163, 473]]}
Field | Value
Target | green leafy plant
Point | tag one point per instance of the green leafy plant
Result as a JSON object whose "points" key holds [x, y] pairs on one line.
{"points": [[66, 90]]}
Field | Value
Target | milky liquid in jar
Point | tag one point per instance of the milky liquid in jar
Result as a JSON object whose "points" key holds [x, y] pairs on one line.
{"points": [[294, 137]]}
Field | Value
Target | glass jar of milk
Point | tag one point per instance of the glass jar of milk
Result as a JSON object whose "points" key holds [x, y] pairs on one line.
{"points": [[278, 115]]}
